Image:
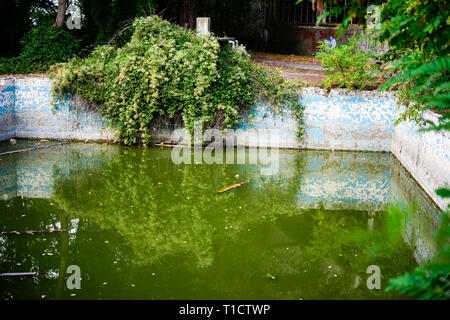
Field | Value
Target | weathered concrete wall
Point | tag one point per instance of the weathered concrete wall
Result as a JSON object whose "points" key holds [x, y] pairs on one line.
{"points": [[340, 120], [34, 115], [7, 119], [421, 224], [349, 120], [426, 155]]}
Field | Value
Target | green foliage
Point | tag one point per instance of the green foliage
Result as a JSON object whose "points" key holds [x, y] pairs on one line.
{"points": [[346, 242], [167, 70], [347, 65], [429, 87], [102, 19], [17, 18], [443, 192], [43, 46], [431, 281], [412, 110], [420, 24], [418, 32]]}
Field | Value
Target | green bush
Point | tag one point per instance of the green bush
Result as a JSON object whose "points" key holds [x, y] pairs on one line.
{"points": [[432, 280], [347, 65], [42, 47], [168, 70]]}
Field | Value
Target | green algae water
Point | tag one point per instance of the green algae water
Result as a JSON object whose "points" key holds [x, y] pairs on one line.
{"points": [[141, 227]]}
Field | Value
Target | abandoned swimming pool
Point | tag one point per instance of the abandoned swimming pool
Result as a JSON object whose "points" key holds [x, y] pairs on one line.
{"points": [[141, 227]]}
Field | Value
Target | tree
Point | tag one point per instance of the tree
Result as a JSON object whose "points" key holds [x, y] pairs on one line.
{"points": [[62, 6], [17, 18], [187, 13]]}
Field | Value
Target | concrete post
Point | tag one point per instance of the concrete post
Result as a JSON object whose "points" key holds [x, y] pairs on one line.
{"points": [[203, 26]]}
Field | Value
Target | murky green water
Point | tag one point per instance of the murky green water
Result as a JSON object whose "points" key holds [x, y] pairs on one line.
{"points": [[141, 227]]}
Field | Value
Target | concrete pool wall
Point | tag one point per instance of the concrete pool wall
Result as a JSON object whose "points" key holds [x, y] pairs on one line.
{"points": [[339, 120], [26, 105]]}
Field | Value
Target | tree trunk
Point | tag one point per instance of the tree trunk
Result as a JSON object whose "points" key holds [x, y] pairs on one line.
{"points": [[187, 13], [62, 6]]}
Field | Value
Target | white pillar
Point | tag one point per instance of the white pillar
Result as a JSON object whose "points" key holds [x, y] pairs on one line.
{"points": [[203, 26]]}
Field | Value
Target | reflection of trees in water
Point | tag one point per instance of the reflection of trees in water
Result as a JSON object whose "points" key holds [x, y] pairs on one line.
{"points": [[344, 241], [20, 253], [339, 239], [160, 209], [153, 211]]}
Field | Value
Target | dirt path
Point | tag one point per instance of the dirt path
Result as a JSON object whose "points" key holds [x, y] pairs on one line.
{"points": [[301, 68]]}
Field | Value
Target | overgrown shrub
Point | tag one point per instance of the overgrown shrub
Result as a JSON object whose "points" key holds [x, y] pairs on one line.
{"points": [[168, 70], [347, 65], [432, 280], [418, 35], [43, 46]]}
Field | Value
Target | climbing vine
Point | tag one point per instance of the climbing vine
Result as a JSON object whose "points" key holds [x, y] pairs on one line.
{"points": [[167, 70]]}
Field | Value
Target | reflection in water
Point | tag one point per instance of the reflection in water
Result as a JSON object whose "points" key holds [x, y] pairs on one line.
{"points": [[142, 227]]}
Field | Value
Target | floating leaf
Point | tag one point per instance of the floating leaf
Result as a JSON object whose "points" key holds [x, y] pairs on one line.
{"points": [[270, 276]]}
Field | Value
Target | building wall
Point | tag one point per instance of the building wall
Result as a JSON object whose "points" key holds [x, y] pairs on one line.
{"points": [[304, 40]]}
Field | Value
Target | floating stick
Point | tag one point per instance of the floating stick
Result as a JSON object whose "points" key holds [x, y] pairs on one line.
{"points": [[35, 148], [237, 185], [18, 274], [165, 145], [31, 232]]}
